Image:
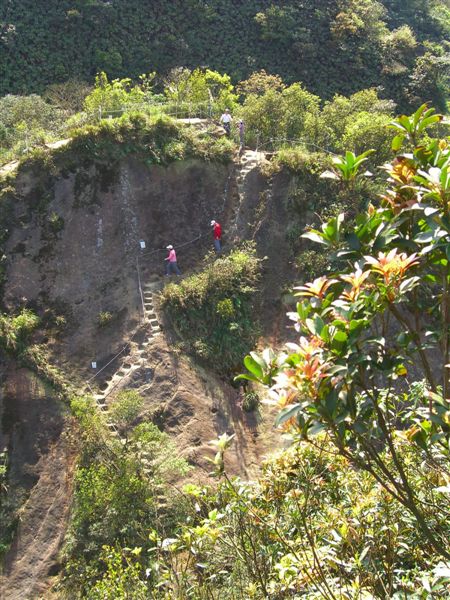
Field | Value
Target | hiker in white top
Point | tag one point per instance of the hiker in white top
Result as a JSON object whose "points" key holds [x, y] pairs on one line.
{"points": [[226, 119]]}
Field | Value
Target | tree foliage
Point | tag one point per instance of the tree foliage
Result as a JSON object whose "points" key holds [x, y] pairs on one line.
{"points": [[311, 526], [201, 87], [337, 46], [122, 489], [368, 329]]}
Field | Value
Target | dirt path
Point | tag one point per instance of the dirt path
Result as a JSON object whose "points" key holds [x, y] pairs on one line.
{"points": [[195, 405]]}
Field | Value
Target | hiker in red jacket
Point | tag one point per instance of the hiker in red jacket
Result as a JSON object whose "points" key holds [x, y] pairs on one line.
{"points": [[217, 233]]}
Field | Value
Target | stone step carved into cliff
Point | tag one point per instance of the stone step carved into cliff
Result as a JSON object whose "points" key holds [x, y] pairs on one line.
{"points": [[135, 361], [250, 161]]}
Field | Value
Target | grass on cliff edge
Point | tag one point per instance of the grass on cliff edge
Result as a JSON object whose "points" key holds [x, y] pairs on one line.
{"points": [[214, 311], [154, 140]]}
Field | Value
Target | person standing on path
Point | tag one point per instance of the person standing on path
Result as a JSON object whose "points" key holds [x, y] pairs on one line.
{"points": [[217, 233], [241, 128], [171, 266], [226, 119]]}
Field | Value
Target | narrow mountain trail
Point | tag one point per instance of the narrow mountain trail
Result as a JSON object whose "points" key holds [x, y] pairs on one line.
{"points": [[193, 421], [249, 161]]}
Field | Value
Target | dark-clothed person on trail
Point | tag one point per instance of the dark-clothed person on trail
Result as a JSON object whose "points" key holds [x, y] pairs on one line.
{"points": [[241, 128]]}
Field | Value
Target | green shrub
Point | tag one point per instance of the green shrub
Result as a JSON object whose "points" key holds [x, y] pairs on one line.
{"points": [[109, 97], [132, 133], [312, 264], [60, 321], [104, 318], [56, 222], [14, 330], [123, 576], [298, 159], [125, 408], [251, 401], [312, 198], [201, 86], [122, 490], [213, 311], [289, 113], [225, 308]]}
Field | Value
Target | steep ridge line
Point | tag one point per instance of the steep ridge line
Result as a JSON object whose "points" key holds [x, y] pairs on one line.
{"points": [[26, 582], [9, 167], [249, 161]]}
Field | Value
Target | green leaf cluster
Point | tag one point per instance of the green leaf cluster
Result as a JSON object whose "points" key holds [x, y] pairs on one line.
{"points": [[368, 329], [14, 330], [310, 526]]}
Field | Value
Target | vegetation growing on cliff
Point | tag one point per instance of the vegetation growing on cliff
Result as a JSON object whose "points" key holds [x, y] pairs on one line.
{"points": [[357, 506], [213, 311], [122, 488]]}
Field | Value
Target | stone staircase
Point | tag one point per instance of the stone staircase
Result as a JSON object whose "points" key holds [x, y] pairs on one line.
{"points": [[135, 360], [250, 160]]}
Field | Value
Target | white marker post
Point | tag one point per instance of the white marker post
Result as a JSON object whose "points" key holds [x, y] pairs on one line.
{"points": [[142, 244], [93, 364]]}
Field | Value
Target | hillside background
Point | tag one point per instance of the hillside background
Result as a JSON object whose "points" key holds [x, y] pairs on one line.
{"points": [[332, 46]]}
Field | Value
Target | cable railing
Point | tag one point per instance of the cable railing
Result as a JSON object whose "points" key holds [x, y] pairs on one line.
{"points": [[177, 110], [269, 145], [208, 111]]}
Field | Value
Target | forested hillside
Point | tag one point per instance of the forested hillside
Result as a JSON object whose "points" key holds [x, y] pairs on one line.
{"points": [[332, 46], [272, 422]]}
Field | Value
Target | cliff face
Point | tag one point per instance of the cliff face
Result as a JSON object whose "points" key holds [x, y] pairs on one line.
{"points": [[75, 245], [71, 255]]}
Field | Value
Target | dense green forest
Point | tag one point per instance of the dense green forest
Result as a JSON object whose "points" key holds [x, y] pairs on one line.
{"points": [[332, 46]]}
